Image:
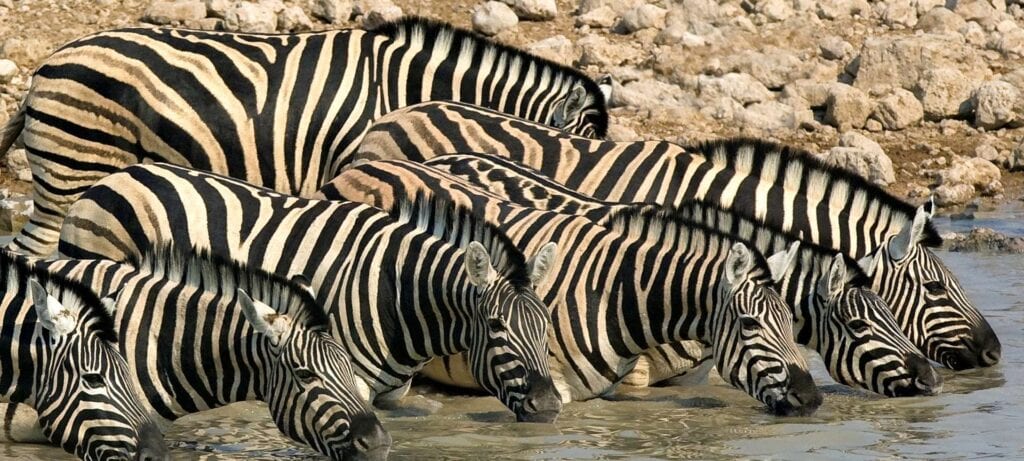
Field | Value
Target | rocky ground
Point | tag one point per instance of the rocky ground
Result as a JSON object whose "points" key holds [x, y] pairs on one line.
{"points": [[921, 96]]}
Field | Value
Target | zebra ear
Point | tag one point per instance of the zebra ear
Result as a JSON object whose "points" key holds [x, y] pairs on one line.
{"points": [[606, 83], [912, 232], [780, 262], [571, 107], [540, 264], [263, 318], [836, 276], [53, 316], [738, 264], [478, 265], [302, 281]]}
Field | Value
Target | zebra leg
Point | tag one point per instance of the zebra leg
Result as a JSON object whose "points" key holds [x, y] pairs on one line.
{"points": [[407, 405], [40, 235], [20, 424]]}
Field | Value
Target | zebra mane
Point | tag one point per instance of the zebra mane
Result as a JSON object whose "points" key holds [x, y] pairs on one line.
{"points": [[732, 152], [459, 226], [219, 274], [74, 295], [658, 223], [433, 30]]}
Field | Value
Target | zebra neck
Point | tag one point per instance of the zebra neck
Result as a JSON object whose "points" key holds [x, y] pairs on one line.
{"points": [[798, 288]]}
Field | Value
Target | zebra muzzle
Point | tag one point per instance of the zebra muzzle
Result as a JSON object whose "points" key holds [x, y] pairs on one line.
{"points": [[370, 442]]}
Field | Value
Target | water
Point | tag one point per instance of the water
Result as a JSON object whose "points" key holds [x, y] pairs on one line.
{"points": [[978, 415]]}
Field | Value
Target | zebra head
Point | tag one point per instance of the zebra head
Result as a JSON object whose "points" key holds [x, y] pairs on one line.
{"points": [[509, 357], [856, 334], [752, 338], [310, 387], [927, 299], [84, 394], [583, 111]]}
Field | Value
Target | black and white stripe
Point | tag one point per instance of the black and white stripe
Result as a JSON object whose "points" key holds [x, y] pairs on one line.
{"points": [[281, 111], [59, 354], [426, 280], [779, 186]]}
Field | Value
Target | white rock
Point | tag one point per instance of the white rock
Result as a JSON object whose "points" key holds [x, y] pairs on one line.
{"points": [[722, 108], [293, 19], [17, 163], [1016, 160], [944, 92], [619, 133], [834, 47], [900, 62], [493, 17], [855, 139], [597, 50], [940, 21], [217, 8], [768, 116], [873, 166], [847, 107], [163, 12], [602, 17], [997, 103], [534, 10], [900, 13], [14, 213], [973, 171], [378, 12], [774, 67], [8, 70], [948, 195], [839, 9], [558, 48], [775, 10], [643, 17], [332, 11], [646, 93], [740, 87], [898, 110], [990, 153], [250, 17], [620, 7]]}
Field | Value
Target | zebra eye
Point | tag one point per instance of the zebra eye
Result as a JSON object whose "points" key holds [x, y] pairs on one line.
{"points": [[857, 325], [93, 381], [935, 288], [749, 323], [305, 376], [496, 324]]}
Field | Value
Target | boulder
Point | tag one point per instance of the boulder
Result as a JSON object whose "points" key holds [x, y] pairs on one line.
{"points": [[944, 92], [839, 9], [163, 12], [847, 107], [982, 240], [940, 21], [493, 17], [774, 67], [768, 116], [293, 19], [949, 195], [775, 10], [646, 93], [619, 7], [217, 8], [17, 163], [901, 62], [332, 11], [534, 10], [8, 70], [250, 17], [603, 17], [834, 47], [898, 110], [973, 171], [598, 51], [740, 87], [996, 104], [557, 48], [376, 13], [899, 13], [645, 16], [873, 166]]}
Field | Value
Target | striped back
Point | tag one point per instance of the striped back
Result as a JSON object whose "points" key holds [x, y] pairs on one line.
{"points": [[60, 355], [781, 187], [397, 285]]}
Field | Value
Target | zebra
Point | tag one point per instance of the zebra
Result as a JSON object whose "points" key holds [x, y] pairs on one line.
{"points": [[59, 355], [283, 111], [424, 280], [200, 331], [782, 187], [850, 327]]}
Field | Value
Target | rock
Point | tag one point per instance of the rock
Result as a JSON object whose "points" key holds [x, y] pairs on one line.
{"points": [[871, 165], [768, 116], [775, 10], [944, 92], [14, 213], [1010, 43], [982, 240], [619, 133], [217, 8], [940, 21], [901, 62], [646, 93], [740, 87], [332, 11], [980, 11], [619, 7], [974, 171], [722, 108], [534, 10], [379, 12], [17, 163], [948, 195], [834, 47], [899, 13], [774, 67], [250, 17], [814, 93], [677, 35], [494, 17], [839, 9], [27, 51], [996, 104], [603, 17], [8, 70], [293, 19], [177, 12], [1016, 160], [557, 48], [847, 107], [990, 153], [898, 110], [873, 126], [642, 17], [597, 50]]}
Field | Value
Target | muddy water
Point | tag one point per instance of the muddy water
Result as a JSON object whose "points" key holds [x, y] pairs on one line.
{"points": [[979, 414]]}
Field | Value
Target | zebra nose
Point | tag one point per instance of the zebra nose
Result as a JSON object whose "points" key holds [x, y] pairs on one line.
{"points": [[542, 404], [802, 398], [370, 442], [979, 349], [926, 380], [151, 444]]}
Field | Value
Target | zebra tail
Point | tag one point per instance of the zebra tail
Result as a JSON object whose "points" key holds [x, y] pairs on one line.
{"points": [[11, 130]]}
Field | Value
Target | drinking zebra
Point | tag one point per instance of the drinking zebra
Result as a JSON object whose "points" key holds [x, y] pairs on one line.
{"points": [[425, 280], [281, 111], [850, 327], [59, 354], [781, 187]]}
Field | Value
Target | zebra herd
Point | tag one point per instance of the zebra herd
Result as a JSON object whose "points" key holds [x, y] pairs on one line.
{"points": [[313, 219]]}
